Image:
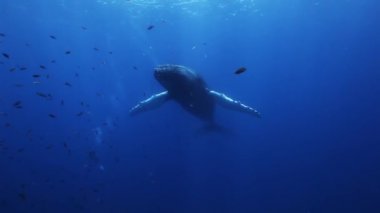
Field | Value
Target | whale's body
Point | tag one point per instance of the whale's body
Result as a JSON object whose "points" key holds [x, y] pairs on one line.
{"points": [[186, 87]]}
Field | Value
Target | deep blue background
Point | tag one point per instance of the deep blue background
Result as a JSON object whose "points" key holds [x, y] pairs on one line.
{"points": [[313, 73]]}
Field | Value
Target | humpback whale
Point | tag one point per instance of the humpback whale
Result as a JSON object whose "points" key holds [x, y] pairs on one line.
{"points": [[187, 88]]}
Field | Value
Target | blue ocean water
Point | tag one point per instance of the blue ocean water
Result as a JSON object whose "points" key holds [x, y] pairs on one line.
{"points": [[71, 70]]}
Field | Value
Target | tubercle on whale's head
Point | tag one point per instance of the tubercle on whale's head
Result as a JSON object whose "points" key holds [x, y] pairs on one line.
{"points": [[166, 71], [169, 75]]}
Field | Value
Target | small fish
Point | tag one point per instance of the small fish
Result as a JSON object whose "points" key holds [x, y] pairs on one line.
{"points": [[76, 74], [20, 150], [68, 84], [80, 113], [52, 61], [52, 115], [7, 125], [96, 49], [135, 68], [110, 52], [53, 37], [44, 95], [41, 94], [150, 27], [2, 34], [68, 52], [62, 102], [240, 70], [17, 104], [84, 28], [49, 146], [6, 55], [43, 67], [36, 75], [23, 68], [22, 196], [92, 156], [18, 85], [12, 69]]}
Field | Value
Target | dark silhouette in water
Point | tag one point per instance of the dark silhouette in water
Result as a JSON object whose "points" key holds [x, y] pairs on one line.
{"points": [[188, 89]]}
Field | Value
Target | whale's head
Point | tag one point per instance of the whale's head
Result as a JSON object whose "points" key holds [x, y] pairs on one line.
{"points": [[175, 77], [165, 74], [187, 88]]}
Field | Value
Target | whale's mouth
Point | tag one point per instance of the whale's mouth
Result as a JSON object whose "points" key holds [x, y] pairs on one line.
{"points": [[158, 73]]}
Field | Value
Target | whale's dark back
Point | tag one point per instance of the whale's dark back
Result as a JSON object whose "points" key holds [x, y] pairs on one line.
{"points": [[187, 88]]}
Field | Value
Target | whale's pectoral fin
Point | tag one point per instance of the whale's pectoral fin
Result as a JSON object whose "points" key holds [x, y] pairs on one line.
{"points": [[152, 102], [227, 102]]}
